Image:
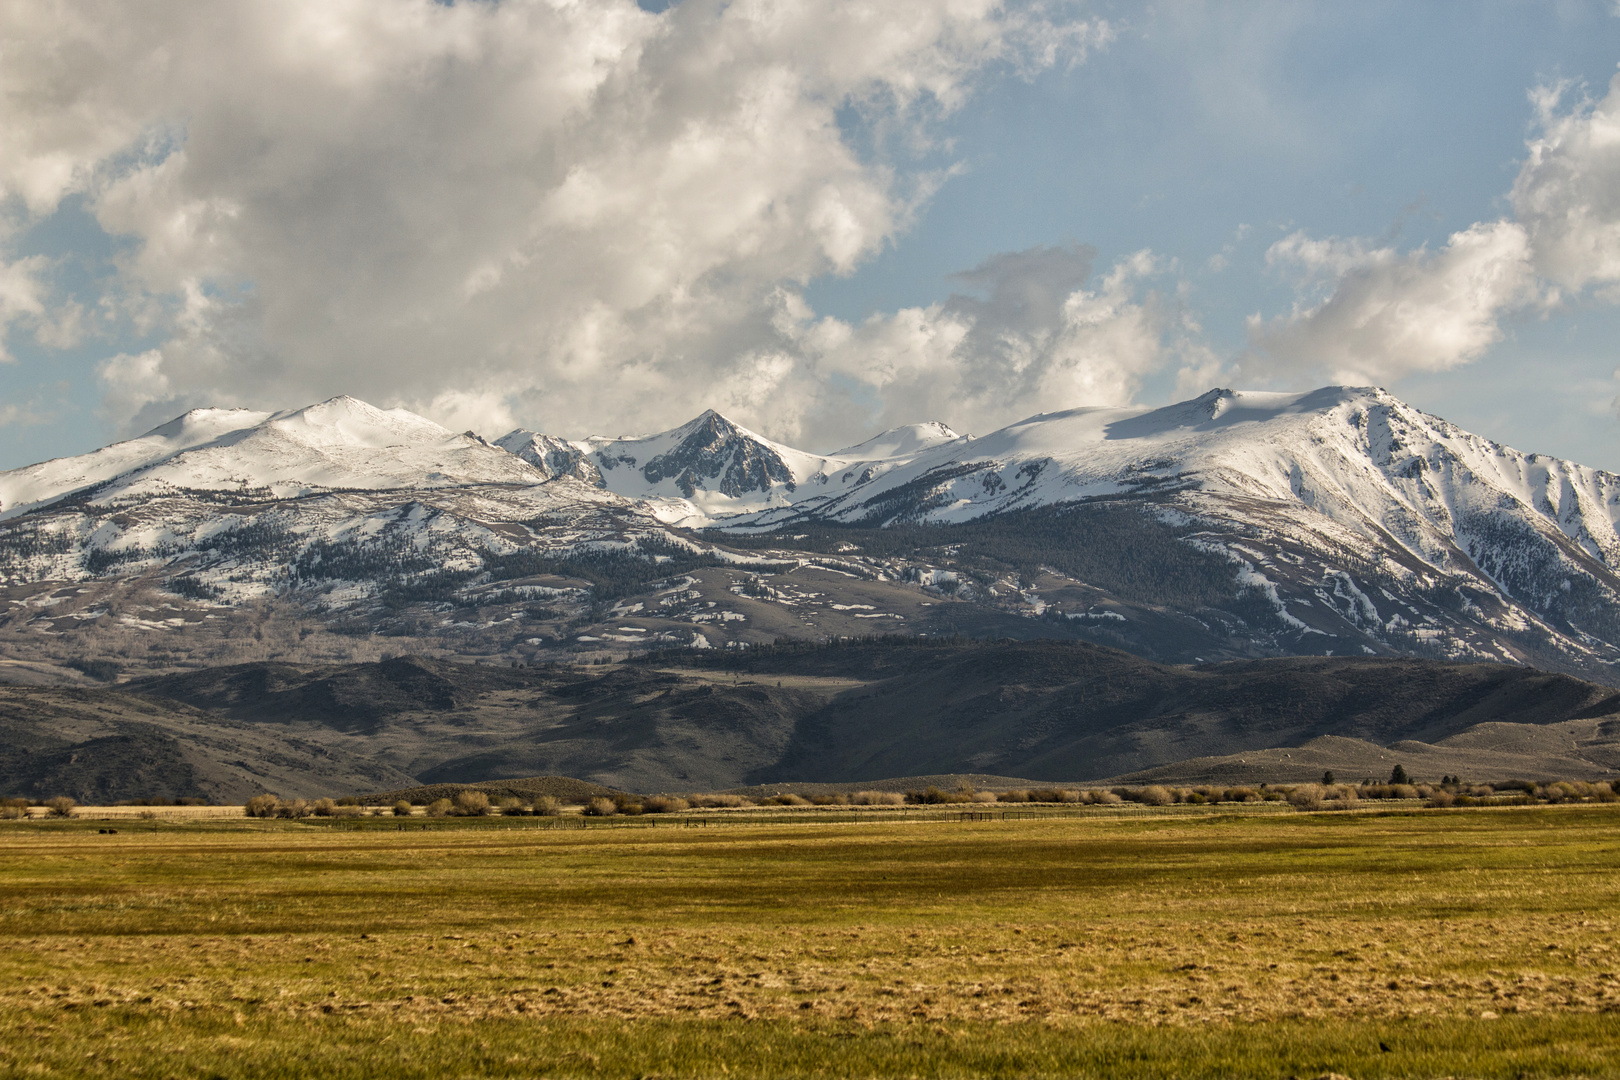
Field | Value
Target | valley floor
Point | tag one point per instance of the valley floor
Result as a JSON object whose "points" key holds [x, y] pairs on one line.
{"points": [[1409, 944]]}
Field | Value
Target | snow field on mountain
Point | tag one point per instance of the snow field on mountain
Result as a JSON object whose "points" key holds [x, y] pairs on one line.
{"points": [[1325, 507]]}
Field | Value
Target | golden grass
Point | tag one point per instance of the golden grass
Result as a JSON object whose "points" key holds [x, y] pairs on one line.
{"points": [[1470, 942]]}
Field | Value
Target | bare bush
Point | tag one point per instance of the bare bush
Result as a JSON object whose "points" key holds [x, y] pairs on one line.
{"points": [[471, 804], [1015, 795], [439, 808], [877, 798], [709, 802], [1241, 795], [785, 799], [546, 806], [261, 806], [600, 807], [60, 807], [295, 809], [835, 799], [1306, 797], [1339, 797], [1387, 791], [509, 806], [323, 808], [664, 804], [934, 796], [13, 809], [403, 808], [984, 796], [1154, 795], [1439, 797]]}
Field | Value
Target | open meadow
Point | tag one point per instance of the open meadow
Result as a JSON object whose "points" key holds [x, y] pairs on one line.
{"points": [[1410, 943]]}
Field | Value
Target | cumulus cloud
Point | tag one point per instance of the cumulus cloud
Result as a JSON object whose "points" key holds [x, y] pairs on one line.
{"points": [[1035, 333], [1376, 314], [20, 297], [1568, 191], [1392, 313], [576, 216]]}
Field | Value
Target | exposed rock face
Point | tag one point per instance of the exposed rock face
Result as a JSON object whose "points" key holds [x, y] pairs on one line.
{"points": [[715, 448], [554, 457]]}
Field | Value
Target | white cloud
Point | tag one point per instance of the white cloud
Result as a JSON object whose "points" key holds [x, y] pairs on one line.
{"points": [[1567, 193], [461, 410], [1391, 313], [21, 297], [1387, 313], [571, 214], [1033, 338], [17, 416], [134, 381]]}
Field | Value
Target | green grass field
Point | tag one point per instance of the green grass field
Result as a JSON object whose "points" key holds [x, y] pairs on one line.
{"points": [[1469, 943]]}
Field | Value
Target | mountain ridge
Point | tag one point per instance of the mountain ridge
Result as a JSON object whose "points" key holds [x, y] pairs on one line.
{"points": [[1237, 523]]}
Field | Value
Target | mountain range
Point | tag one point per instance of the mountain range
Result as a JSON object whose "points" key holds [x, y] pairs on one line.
{"points": [[1234, 525]]}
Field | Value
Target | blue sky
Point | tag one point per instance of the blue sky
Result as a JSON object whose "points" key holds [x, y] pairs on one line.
{"points": [[492, 245], [1405, 121]]}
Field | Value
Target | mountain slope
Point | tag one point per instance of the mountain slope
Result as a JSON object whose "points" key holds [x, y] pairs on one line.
{"points": [[1052, 710], [29, 488], [338, 444], [1047, 710], [101, 746], [712, 468], [1341, 521]]}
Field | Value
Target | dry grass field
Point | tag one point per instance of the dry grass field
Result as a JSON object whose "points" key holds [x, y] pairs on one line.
{"points": [[1405, 944]]}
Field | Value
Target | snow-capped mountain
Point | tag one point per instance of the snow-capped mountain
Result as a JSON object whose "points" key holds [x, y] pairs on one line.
{"points": [[338, 444], [898, 443], [1236, 523], [553, 457], [711, 469]]}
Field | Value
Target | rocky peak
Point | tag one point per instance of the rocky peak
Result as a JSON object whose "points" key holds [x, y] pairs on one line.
{"points": [[554, 457], [713, 448]]}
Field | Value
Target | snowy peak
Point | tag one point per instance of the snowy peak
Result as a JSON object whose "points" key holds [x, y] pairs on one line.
{"points": [[344, 421], [338, 443], [554, 458], [899, 442], [1354, 459], [707, 467], [34, 486], [199, 426], [714, 452]]}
